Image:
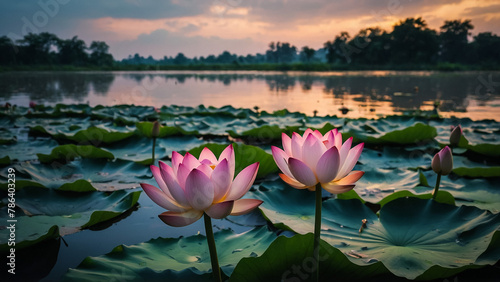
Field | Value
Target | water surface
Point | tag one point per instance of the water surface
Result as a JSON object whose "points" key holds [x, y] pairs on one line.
{"points": [[351, 94]]}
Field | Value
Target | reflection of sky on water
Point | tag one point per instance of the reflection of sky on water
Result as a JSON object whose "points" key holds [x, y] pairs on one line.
{"points": [[364, 94]]}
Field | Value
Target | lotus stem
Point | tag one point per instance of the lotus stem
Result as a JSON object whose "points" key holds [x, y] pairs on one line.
{"points": [[211, 248], [317, 230], [154, 147], [438, 180]]}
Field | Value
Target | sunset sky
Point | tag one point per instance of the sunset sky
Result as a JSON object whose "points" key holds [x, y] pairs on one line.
{"points": [[203, 27]]}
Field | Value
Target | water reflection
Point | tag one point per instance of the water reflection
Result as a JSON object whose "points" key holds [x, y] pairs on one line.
{"points": [[354, 94], [55, 87]]}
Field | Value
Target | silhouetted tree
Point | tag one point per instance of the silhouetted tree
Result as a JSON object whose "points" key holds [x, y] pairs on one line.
{"points": [[337, 50], [487, 48], [180, 59], [307, 54], [226, 58], [37, 48], [8, 51], [413, 42], [99, 54], [72, 51], [454, 40]]}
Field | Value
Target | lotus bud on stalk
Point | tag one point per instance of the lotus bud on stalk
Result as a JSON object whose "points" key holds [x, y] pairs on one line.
{"points": [[442, 164], [455, 136], [192, 188], [155, 133]]}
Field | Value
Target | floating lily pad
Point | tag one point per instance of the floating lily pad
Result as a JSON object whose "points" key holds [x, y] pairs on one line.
{"points": [[478, 172], [139, 149], [479, 192], [67, 212], [69, 152], [146, 128], [152, 259], [294, 210], [93, 135], [411, 236], [291, 259], [28, 150], [80, 176]]}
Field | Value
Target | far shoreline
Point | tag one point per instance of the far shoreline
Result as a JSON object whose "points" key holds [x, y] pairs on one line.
{"points": [[305, 67]]}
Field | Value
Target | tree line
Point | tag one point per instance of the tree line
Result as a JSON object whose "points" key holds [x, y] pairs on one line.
{"points": [[411, 42], [48, 49]]}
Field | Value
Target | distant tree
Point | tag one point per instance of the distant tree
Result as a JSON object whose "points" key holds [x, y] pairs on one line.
{"points": [[454, 40], [37, 48], [413, 43], [281, 52], [307, 54], [180, 59], [371, 46], [72, 51], [271, 55], [226, 58], [99, 54], [336, 50], [487, 48], [7, 51]]}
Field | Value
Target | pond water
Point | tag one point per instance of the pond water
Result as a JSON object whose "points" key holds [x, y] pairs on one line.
{"points": [[369, 94]]}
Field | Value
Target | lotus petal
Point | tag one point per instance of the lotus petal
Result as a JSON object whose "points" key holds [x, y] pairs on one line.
{"points": [[328, 165], [333, 188], [302, 172], [281, 158], [199, 190], [221, 178], [177, 219], [244, 206], [242, 182], [220, 210]]}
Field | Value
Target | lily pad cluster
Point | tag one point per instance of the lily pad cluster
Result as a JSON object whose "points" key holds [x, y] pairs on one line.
{"points": [[78, 167]]}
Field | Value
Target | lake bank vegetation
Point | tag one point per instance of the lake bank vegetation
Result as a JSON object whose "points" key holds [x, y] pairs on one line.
{"points": [[411, 45]]}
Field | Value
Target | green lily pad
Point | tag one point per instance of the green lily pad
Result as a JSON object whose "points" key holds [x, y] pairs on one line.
{"points": [[245, 155], [139, 149], [291, 259], [411, 236], [28, 150], [5, 161], [409, 135], [69, 152], [66, 211], [146, 128], [149, 260], [93, 135], [469, 229], [478, 172], [479, 192], [80, 176]]}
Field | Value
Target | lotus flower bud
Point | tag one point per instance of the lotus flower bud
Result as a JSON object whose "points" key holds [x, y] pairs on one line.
{"points": [[156, 129], [32, 104], [455, 136], [442, 163]]}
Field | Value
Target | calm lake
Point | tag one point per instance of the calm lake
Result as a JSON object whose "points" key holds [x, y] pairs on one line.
{"points": [[349, 94]]}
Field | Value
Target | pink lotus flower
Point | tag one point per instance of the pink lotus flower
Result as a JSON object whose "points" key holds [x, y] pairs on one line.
{"points": [[442, 163], [313, 158], [194, 186]]}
